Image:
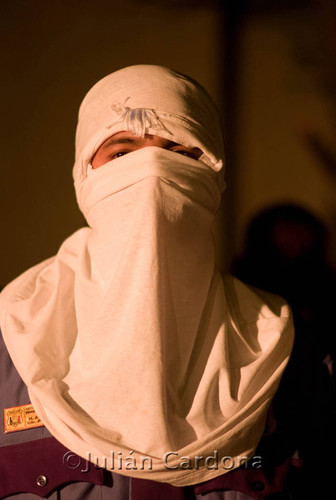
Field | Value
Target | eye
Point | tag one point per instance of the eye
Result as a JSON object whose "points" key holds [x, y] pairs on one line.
{"points": [[118, 154], [185, 152]]}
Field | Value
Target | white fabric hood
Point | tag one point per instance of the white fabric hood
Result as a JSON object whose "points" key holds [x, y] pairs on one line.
{"points": [[129, 339]]}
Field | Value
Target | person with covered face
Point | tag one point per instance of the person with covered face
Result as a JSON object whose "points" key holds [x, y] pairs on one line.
{"points": [[131, 349]]}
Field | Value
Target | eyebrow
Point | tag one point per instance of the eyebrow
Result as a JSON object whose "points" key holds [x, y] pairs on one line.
{"points": [[129, 140]]}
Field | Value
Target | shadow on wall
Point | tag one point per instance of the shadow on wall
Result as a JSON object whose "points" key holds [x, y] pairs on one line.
{"points": [[285, 253]]}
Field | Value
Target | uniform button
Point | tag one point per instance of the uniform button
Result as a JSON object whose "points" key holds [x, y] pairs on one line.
{"points": [[257, 486], [41, 480]]}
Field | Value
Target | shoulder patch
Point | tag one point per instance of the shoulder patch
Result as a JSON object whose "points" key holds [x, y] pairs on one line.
{"points": [[20, 418]]}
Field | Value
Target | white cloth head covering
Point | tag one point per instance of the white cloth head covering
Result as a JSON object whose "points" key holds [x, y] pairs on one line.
{"points": [[129, 339]]}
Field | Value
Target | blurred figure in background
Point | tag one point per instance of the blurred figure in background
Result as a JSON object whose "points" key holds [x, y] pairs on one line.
{"points": [[285, 253]]}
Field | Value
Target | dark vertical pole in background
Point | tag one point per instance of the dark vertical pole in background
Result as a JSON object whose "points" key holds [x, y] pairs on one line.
{"points": [[232, 13]]}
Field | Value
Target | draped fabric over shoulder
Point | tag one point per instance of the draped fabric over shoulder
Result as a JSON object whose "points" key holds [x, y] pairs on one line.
{"points": [[129, 339]]}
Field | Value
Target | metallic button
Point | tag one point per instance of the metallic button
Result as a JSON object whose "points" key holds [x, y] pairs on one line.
{"points": [[41, 480], [257, 486]]}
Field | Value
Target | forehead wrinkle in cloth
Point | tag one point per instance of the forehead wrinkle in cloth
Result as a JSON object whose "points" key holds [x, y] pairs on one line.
{"points": [[138, 120]]}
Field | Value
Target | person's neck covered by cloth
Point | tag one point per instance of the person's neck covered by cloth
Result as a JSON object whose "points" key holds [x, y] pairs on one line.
{"points": [[129, 339]]}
